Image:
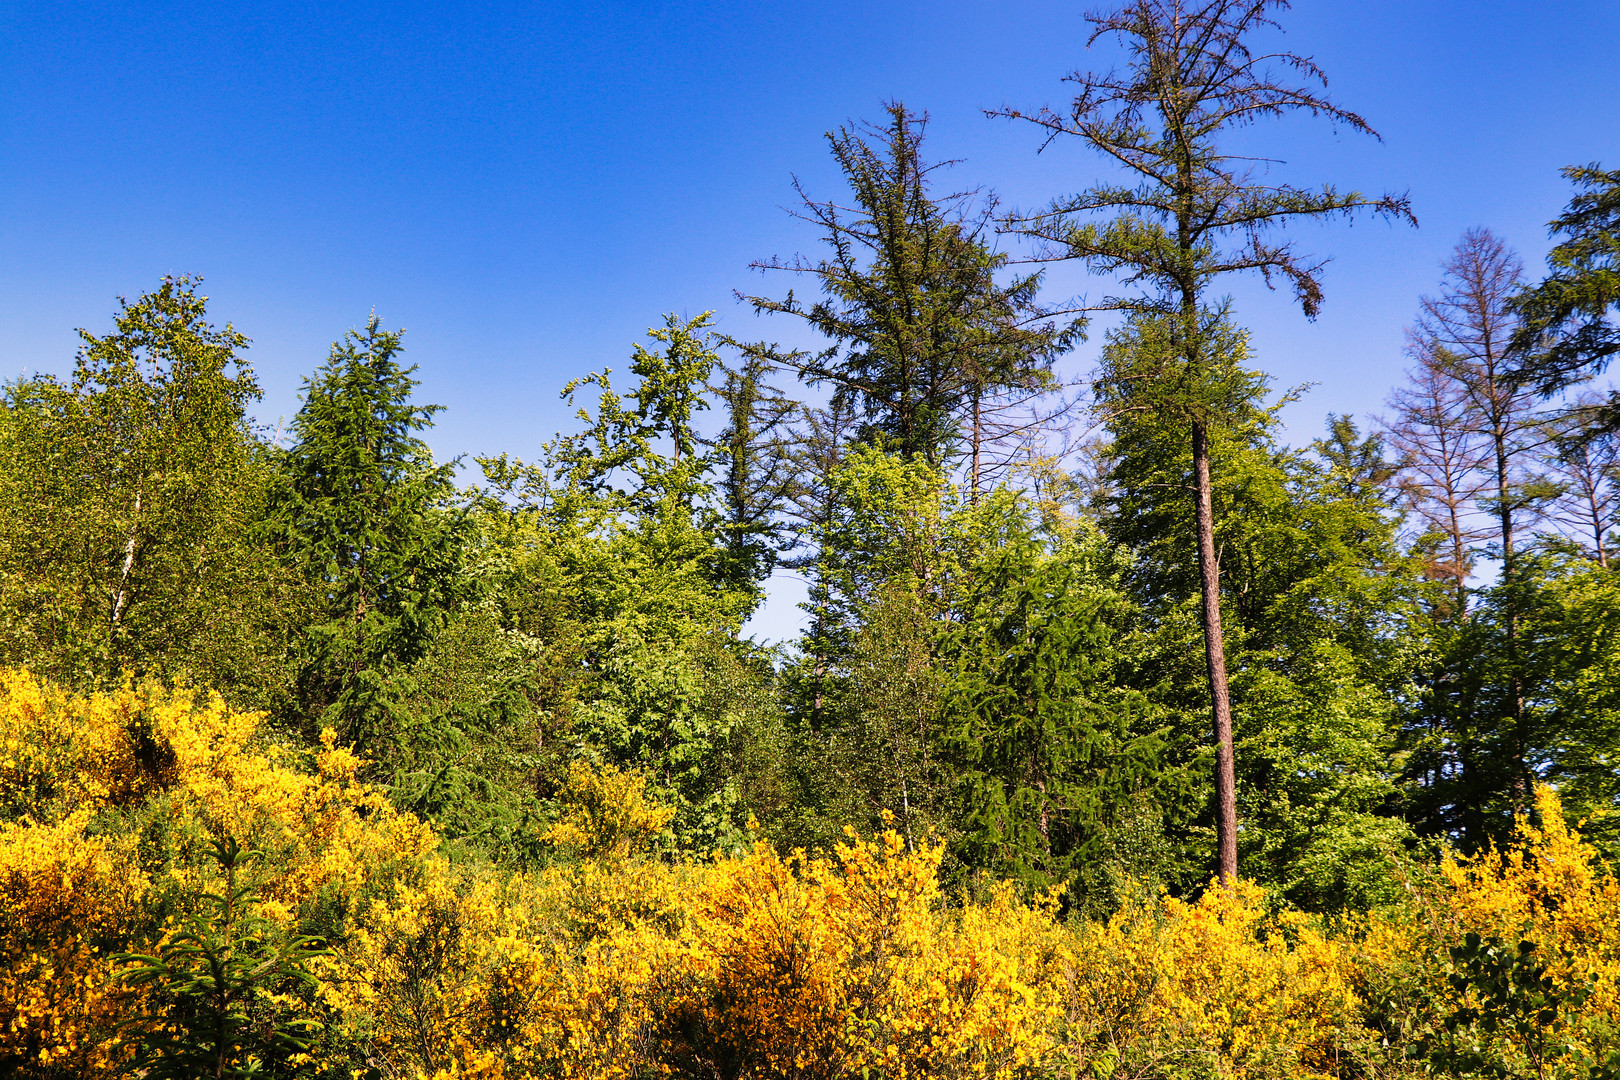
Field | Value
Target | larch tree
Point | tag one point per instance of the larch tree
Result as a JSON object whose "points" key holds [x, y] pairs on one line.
{"points": [[1585, 464], [1191, 211], [1462, 336], [1440, 477]]}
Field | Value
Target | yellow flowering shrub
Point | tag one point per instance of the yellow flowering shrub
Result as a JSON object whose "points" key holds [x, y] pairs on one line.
{"points": [[851, 966], [59, 753], [1216, 987], [64, 899], [615, 965], [1549, 888], [606, 813], [110, 800]]}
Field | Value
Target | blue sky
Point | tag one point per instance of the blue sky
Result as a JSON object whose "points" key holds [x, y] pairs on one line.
{"points": [[527, 187]]}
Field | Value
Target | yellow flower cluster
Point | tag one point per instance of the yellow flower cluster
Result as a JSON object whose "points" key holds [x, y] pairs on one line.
{"points": [[1550, 889], [111, 800], [612, 965], [1217, 987]]}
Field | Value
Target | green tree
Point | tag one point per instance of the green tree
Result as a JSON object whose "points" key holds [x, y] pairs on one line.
{"points": [[1571, 621], [1052, 752], [218, 981], [131, 495], [921, 331], [367, 516], [1568, 328], [1316, 595], [1197, 212], [628, 570], [756, 477]]}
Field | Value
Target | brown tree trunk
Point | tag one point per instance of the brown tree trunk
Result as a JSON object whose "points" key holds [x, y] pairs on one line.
{"points": [[978, 434], [1215, 657], [1521, 785]]}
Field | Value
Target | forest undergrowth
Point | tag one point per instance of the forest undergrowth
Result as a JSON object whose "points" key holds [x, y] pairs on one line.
{"points": [[183, 894]]}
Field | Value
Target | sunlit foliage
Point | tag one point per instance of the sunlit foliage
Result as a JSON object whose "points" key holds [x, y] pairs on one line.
{"points": [[614, 963]]}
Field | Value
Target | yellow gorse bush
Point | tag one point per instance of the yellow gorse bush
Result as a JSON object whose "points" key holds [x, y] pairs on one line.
{"points": [[1549, 888], [111, 800], [619, 966], [1219, 986]]}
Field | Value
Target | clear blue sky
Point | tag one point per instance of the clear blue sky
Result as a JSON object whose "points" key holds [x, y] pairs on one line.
{"points": [[526, 187]]}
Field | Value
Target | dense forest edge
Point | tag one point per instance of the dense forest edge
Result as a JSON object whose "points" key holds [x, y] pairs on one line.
{"points": [[1123, 739]]}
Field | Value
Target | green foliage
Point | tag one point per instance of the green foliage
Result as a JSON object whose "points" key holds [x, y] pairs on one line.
{"points": [[223, 981], [869, 752], [1568, 330], [626, 571], [1572, 647], [920, 328], [1315, 595], [755, 473], [130, 496], [1052, 753], [472, 749], [1506, 1024], [366, 516]]}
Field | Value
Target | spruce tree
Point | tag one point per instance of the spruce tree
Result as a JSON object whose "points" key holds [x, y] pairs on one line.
{"points": [[366, 515], [1569, 328], [922, 334]]}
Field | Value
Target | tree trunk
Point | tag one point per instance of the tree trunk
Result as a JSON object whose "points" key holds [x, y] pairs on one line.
{"points": [[1215, 657], [1521, 784], [122, 593], [978, 434]]}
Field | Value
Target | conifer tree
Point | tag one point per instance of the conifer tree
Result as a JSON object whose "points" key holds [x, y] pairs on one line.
{"points": [[1585, 464], [1048, 746], [1571, 320], [1191, 211], [755, 467], [366, 514], [1473, 445], [921, 333]]}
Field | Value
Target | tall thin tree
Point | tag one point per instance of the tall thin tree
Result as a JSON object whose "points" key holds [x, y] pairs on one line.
{"points": [[1440, 476], [1191, 211], [1464, 330]]}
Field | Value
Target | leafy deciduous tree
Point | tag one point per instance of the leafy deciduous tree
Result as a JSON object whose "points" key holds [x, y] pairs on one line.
{"points": [[130, 496]]}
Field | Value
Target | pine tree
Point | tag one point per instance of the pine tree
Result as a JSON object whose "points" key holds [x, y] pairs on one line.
{"points": [[1197, 213]]}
